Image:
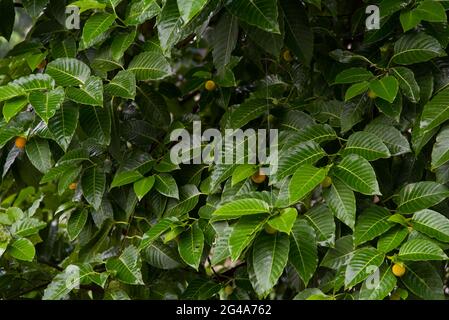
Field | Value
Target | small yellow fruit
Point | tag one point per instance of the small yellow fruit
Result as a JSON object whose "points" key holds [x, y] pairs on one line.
{"points": [[258, 178], [42, 65], [372, 94], [228, 290], [210, 85], [20, 142], [73, 186], [269, 229], [326, 182], [398, 269], [287, 55]]}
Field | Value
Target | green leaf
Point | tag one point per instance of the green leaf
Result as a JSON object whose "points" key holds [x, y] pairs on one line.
{"points": [[188, 199], [66, 281], [249, 110], [86, 5], [156, 231], [190, 8], [407, 83], [162, 256], [243, 233], [421, 250], [304, 180], [372, 223], [10, 91], [267, 261], [75, 225], [357, 174], [13, 107], [284, 221], [432, 224], [392, 239], [96, 123], [95, 27], [35, 82], [431, 11], [435, 111], [416, 47], [122, 42], [320, 218], [139, 11], [68, 71], [27, 227], [362, 264], [339, 255], [22, 249], [379, 288], [303, 253], [143, 186], [241, 207], [341, 202], [93, 184], [63, 124], [295, 157], [392, 137], [38, 151], [423, 280], [125, 177], [367, 145], [123, 85], [242, 172], [165, 184], [385, 88], [260, 13], [191, 245], [352, 75], [421, 195], [409, 19], [150, 66], [91, 93], [224, 38], [440, 151], [34, 7], [356, 89], [299, 36], [46, 103], [169, 22], [126, 268]]}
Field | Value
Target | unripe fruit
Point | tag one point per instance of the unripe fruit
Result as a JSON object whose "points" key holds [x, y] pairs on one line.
{"points": [[398, 269], [372, 94], [326, 182], [210, 85], [258, 178], [287, 56], [228, 290], [269, 229], [73, 186], [20, 142]]}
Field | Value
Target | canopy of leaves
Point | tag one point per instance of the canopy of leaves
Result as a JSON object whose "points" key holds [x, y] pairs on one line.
{"points": [[92, 206]]}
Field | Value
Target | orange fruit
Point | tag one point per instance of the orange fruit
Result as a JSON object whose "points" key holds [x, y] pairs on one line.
{"points": [[287, 55], [42, 64], [372, 94], [326, 182], [258, 178], [20, 142], [398, 269], [73, 186], [210, 85]]}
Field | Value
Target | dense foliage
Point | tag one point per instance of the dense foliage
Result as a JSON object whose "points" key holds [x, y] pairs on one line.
{"points": [[93, 208]]}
